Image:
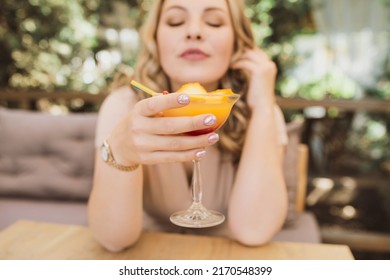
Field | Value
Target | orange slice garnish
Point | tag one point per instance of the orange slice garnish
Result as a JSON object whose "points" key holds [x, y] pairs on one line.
{"points": [[192, 88], [196, 88], [222, 91]]}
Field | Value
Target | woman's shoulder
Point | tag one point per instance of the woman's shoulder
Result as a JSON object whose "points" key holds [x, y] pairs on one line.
{"points": [[119, 99], [115, 106], [122, 95]]}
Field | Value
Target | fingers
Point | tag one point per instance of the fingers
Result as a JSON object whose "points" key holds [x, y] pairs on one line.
{"points": [[255, 55], [256, 61], [158, 149], [245, 64], [154, 105], [167, 157], [175, 125], [176, 143], [163, 139]]}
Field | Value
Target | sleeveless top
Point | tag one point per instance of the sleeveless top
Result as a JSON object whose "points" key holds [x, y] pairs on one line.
{"points": [[216, 170]]}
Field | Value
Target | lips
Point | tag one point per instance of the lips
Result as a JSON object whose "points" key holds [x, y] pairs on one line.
{"points": [[194, 54]]}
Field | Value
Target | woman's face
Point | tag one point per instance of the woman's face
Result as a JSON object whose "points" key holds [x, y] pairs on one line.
{"points": [[195, 41]]}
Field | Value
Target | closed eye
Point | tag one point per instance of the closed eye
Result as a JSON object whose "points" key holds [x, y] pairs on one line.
{"points": [[175, 24], [216, 25]]}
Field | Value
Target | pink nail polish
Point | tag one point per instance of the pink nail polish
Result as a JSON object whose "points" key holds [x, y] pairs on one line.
{"points": [[210, 120], [183, 99], [200, 154], [213, 138]]}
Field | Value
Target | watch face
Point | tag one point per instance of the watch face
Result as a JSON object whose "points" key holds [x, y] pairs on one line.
{"points": [[104, 153]]}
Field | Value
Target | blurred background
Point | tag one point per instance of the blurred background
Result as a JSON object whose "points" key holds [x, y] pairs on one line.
{"points": [[334, 73]]}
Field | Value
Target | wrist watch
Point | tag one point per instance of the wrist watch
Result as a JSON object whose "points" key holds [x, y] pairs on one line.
{"points": [[108, 158]]}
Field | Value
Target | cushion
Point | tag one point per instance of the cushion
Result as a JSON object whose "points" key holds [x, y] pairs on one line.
{"points": [[305, 229], [294, 131], [43, 210], [46, 156]]}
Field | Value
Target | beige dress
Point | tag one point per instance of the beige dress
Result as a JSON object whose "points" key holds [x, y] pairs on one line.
{"points": [[217, 172]]}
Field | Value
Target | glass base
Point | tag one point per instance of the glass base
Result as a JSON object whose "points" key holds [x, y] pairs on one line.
{"points": [[197, 216]]}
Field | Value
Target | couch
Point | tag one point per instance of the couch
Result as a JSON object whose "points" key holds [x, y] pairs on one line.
{"points": [[46, 170]]}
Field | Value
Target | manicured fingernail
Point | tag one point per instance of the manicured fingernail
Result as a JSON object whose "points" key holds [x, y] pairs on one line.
{"points": [[210, 120], [213, 138], [183, 99], [200, 154]]}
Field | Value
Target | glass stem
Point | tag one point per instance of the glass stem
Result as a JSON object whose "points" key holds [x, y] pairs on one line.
{"points": [[196, 183]]}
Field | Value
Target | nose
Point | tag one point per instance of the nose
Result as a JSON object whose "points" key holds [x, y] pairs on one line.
{"points": [[194, 30]]}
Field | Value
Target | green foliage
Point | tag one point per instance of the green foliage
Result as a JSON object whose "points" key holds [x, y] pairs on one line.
{"points": [[54, 44], [45, 40], [275, 23], [78, 44], [369, 141]]}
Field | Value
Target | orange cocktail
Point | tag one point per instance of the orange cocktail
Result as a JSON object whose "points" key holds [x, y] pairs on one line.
{"points": [[219, 103]]}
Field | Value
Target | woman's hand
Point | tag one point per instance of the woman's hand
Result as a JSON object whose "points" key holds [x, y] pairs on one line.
{"points": [[145, 137], [262, 71]]}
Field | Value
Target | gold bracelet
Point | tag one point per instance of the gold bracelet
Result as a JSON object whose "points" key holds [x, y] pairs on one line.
{"points": [[108, 158]]}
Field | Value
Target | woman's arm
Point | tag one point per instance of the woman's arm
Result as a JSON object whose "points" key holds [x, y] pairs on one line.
{"points": [[115, 203], [258, 203], [137, 135], [115, 206]]}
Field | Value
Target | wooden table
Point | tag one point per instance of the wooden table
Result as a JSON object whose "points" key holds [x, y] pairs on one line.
{"points": [[28, 240]]}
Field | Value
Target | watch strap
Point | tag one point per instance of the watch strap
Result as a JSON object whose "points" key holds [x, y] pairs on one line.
{"points": [[111, 160]]}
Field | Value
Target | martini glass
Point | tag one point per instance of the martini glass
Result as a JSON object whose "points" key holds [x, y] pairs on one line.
{"points": [[219, 104]]}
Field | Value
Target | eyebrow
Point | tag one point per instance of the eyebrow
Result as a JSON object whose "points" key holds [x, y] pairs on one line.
{"points": [[206, 10]]}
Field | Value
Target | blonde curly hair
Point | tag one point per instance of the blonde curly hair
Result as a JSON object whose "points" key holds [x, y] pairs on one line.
{"points": [[149, 72]]}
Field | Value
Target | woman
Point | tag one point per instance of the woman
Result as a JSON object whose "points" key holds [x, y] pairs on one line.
{"points": [[209, 42]]}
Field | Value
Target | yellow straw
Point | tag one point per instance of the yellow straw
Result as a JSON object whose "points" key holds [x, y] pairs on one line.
{"points": [[142, 87]]}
